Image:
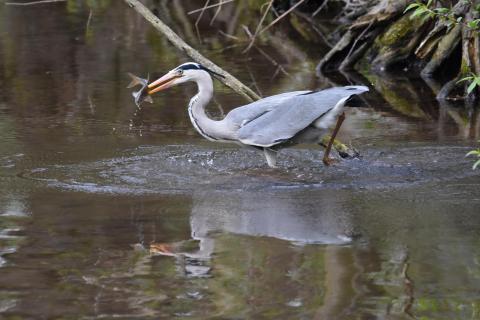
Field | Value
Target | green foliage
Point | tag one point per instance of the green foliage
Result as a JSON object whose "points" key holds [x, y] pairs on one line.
{"points": [[474, 81], [477, 154]]}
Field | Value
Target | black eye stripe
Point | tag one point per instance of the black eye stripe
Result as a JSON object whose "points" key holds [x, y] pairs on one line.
{"points": [[191, 66]]}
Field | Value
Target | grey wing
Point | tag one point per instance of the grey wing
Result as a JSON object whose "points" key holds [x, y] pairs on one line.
{"points": [[293, 115], [244, 114]]}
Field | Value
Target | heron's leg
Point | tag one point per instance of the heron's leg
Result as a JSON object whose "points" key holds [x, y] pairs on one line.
{"points": [[271, 156], [326, 159]]}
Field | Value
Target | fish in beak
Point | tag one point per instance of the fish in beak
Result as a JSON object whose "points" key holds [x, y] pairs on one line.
{"points": [[142, 94], [146, 90]]}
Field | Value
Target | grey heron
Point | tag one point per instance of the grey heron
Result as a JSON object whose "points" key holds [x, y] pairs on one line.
{"points": [[269, 124]]}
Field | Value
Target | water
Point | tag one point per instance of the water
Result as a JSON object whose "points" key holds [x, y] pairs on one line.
{"points": [[111, 212]]}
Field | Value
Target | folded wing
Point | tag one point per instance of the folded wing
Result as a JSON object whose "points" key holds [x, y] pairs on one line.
{"points": [[293, 114]]}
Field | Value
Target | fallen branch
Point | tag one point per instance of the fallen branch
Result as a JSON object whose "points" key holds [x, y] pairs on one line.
{"points": [[32, 3], [178, 42]]}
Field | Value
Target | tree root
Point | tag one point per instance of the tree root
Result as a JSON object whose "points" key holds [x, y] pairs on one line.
{"points": [[364, 30], [428, 45], [470, 63], [444, 48], [398, 42]]}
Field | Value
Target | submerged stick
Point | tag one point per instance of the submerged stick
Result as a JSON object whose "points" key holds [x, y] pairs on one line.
{"points": [[178, 42]]}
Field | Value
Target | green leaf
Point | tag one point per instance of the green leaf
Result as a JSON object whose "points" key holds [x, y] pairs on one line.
{"points": [[411, 6], [471, 87], [476, 165], [472, 153], [469, 78], [476, 80], [418, 12], [473, 24], [442, 10]]}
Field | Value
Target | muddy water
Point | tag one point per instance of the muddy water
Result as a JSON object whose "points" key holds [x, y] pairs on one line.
{"points": [[107, 211]]}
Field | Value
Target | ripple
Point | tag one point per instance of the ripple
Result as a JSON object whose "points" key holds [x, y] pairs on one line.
{"points": [[184, 168]]}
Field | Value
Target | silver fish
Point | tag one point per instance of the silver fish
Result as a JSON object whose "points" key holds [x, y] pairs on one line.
{"points": [[142, 94]]}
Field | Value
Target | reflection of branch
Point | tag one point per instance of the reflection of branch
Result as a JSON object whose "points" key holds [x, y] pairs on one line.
{"points": [[254, 82], [263, 53], [275, 63], [408, 291], [90, 15]]}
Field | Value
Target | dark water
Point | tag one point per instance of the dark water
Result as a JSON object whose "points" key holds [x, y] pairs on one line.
{"points": [[110, 212]]}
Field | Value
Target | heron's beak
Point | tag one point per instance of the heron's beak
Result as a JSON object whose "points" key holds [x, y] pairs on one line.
{"points": [[162, 83]]}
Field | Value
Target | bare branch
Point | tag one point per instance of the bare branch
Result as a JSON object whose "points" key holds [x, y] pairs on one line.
{"points": [[210, 6], [32, 3], [199, 18], [217, 12], [178, 42], [258, 27], [282, 16]]}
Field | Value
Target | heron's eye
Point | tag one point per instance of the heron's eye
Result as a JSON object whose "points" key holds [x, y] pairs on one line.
{"points": [[180, 72]]}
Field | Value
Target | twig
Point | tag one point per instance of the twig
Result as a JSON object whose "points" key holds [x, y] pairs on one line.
{"points": [[229, 36], [89, 20], [358, 38], [210, 6], [281, 16], [32, 3], [199, 18], [263, 53], [320, 8], [314, 27], [254, 82], [258, 27], [178, 42], [272, 61], [217, 12]]}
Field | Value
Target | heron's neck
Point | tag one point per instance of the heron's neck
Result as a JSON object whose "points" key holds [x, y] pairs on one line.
{"points": [[208, 128]]}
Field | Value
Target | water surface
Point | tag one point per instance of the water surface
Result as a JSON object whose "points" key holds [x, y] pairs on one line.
{"points": [[107, 211]]}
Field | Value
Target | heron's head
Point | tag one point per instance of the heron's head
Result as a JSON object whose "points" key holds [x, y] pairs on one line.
{"points": [[190, 71]]}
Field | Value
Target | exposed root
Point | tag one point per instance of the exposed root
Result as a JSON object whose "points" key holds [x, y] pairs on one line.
{"points": [[359, 36], [470, 63], [446, 45], [429, 43]]}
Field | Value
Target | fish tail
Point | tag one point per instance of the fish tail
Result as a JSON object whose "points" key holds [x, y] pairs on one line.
{"points": [[136, 81]]}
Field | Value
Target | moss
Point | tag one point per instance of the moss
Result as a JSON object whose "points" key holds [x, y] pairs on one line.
{"points": [[399, 30]]}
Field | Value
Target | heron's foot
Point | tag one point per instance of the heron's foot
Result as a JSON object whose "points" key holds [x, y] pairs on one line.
{"points": [[343, 150], [329, 161], [271, 157]]}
